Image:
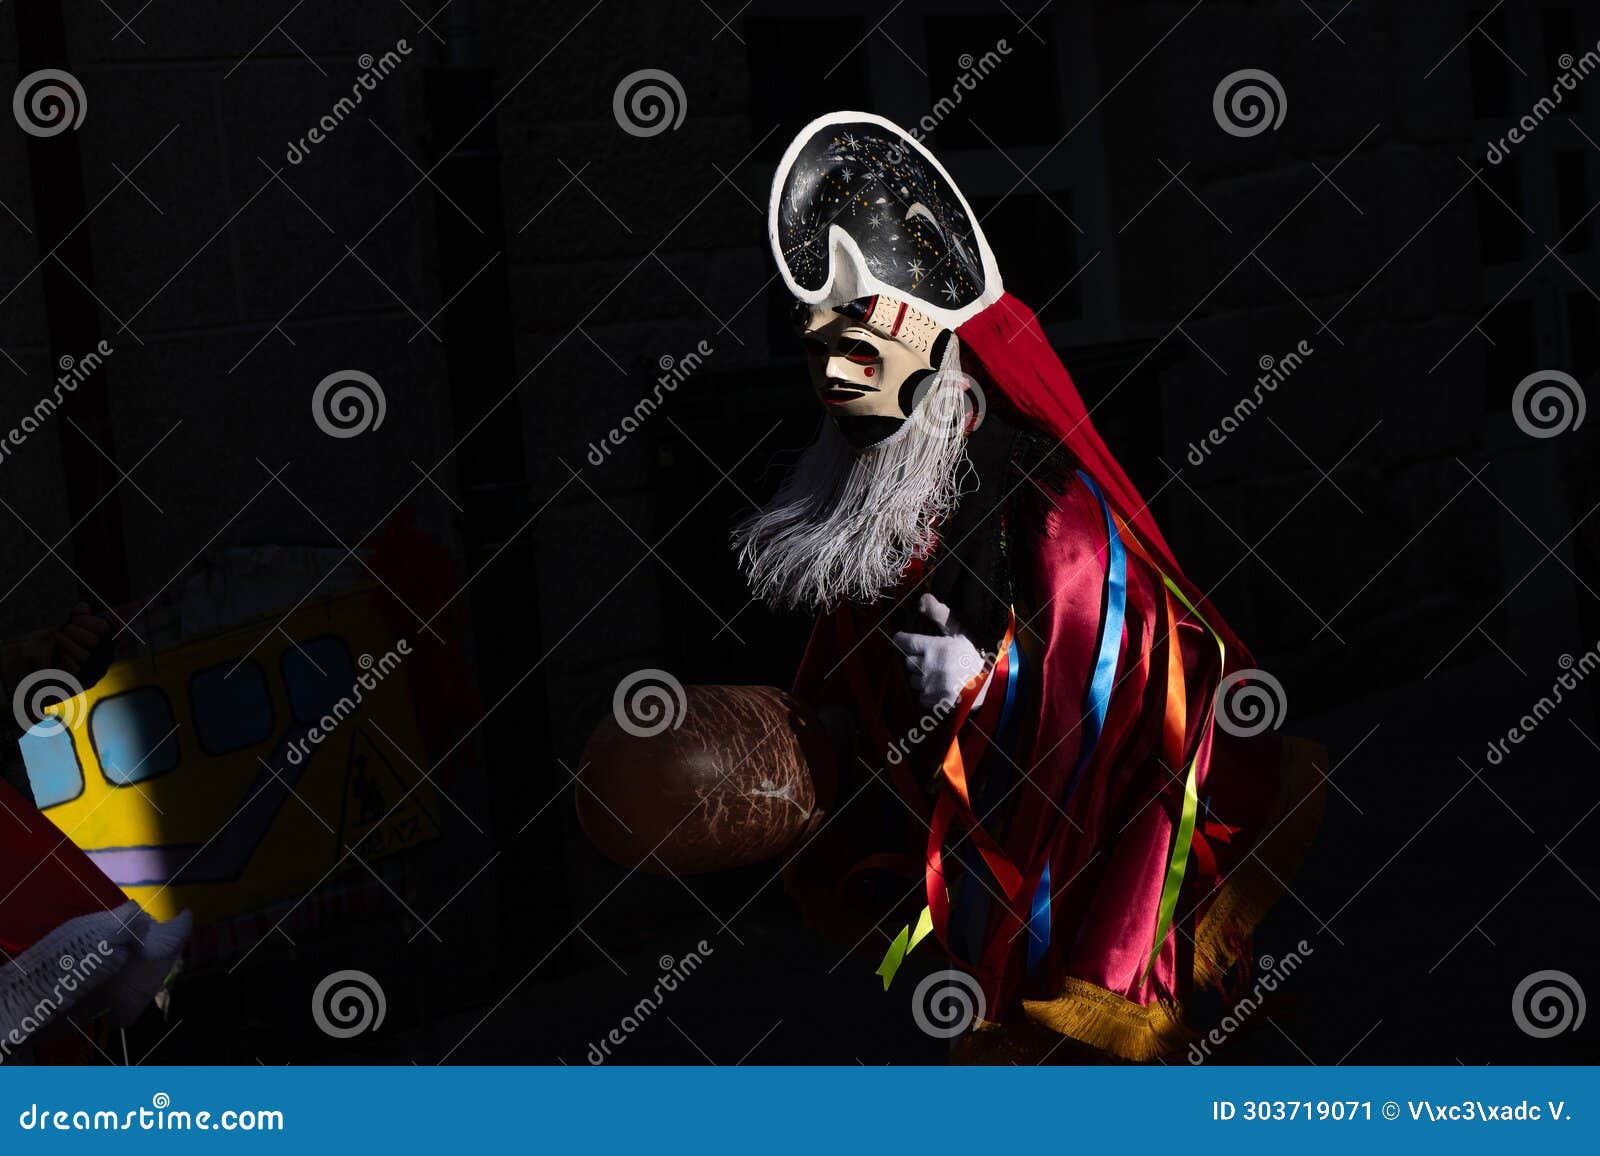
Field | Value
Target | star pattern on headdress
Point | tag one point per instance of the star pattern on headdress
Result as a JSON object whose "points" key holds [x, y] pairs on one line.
{"points": [[904, 218]]}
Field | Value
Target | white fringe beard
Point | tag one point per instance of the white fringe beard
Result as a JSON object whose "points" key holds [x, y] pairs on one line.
{"points": [[845, 523]]}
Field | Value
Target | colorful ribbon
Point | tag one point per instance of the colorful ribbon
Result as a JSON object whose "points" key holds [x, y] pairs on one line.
{"points": [[1039, 921], [901, 947], [971, 901], [956, 799], [1109, 648], [1097, 701], [1176, 723]]}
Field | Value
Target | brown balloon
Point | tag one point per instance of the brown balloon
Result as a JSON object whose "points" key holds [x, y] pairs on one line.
{"points": [[740, 778]]}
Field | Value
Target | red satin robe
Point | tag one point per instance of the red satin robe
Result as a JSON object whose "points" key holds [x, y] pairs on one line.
{"points": [[1036, 788]]}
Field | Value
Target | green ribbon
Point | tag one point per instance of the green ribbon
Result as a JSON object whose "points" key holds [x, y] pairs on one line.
{"points": [[1191, 804], [908, 938]]}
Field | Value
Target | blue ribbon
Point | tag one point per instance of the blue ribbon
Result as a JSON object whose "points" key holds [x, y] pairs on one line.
{"points": [[1013, 670], [1110, 648], [1097, 702], [1039, 921]]}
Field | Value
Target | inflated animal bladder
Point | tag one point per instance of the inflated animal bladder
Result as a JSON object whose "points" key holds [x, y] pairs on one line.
{"points": [[725, 777]]}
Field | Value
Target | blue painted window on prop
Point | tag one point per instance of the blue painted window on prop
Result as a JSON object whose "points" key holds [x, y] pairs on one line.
{"points": [[52, 763], [232, 708], [134, 735], [318, 674]]}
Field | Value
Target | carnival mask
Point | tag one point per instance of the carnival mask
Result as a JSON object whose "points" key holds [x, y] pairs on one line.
{"points": [[884, 258], [869, 359]]}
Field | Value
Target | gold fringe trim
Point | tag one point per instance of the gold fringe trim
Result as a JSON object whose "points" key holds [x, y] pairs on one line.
{"points": [[1254, 885], [1103, 1019]]}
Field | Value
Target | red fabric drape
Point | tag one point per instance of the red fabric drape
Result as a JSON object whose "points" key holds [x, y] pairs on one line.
{"points": [[1107, 842], [45, 880], [1006, 352]]}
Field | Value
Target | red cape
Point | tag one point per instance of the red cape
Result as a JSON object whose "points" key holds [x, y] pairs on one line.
{"points": [[1100, 812]]}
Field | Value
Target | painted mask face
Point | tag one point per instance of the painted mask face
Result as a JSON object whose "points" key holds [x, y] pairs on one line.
{"points": [[868, 358]]}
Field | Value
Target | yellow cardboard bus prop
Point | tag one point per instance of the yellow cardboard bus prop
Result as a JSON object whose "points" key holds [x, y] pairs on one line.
{"points": [[231, 771]]}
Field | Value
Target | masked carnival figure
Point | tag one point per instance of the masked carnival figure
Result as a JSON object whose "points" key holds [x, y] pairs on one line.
{"points": [[1019, 686]]}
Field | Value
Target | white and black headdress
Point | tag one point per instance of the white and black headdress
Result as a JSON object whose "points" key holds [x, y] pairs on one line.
{"points": [[860, 208]]}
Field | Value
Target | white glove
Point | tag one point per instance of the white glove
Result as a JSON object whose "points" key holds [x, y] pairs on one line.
{"points": [[940, 664]]}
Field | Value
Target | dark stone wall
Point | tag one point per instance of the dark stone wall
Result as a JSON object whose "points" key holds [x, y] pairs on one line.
{"points": [[1406, 560]]}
